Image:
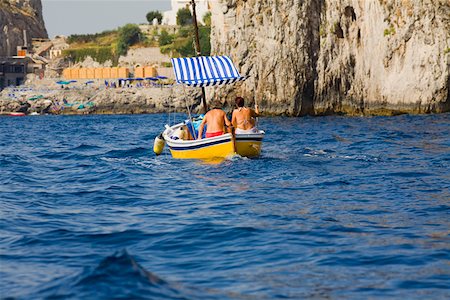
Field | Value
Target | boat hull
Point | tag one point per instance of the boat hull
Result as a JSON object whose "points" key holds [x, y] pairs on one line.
{"points": [[204, 149], [247, 145], [17, 114]]}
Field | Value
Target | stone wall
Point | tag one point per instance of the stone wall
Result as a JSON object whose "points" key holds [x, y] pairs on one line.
{"points": [[143, 57], [332, 56], [16, 16]]}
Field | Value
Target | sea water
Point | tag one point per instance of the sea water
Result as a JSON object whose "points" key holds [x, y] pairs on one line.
{"points": [[335, 207]]}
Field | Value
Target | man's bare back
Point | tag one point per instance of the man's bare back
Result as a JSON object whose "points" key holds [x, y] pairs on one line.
{"points": [[216, 119]]}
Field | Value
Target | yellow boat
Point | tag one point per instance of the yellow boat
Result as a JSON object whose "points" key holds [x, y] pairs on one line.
{"points": [[204, 71], [223, 146], [249, 145]]}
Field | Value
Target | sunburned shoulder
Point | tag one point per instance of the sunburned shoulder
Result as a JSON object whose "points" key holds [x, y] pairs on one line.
{"points": [[217, 111], [214, 112]]}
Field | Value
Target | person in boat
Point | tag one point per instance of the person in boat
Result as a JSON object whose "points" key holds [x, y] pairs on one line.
{"points": [[217, 120], [244, 118], [182, 133]]}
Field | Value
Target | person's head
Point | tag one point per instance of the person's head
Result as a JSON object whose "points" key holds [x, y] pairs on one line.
{"points": [[216, 104], [239, 101]]}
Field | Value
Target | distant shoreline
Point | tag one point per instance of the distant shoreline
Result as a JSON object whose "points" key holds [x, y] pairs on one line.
{"points": [[97, 99], [47, 97]]}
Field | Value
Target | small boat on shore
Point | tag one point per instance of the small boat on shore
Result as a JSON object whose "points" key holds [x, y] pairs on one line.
{"points": [[17, 114]]}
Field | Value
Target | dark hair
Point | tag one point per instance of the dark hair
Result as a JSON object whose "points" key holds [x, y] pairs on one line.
{"points": [[216, 104], [239, 101]]}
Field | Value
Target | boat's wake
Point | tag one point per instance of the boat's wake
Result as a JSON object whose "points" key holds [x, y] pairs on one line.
{"points": [[236, 157], [220, 160]]}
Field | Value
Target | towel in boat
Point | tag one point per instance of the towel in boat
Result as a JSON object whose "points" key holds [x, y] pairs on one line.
{"points": [[194, 125]]}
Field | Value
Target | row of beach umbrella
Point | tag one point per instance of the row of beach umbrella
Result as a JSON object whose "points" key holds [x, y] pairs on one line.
{"points": [[146, 78]]}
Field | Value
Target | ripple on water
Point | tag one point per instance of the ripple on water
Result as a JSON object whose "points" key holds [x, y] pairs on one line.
{"points": [[119, 275], [335, 207]]}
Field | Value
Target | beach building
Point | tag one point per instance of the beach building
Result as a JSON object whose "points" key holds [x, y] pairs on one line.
{"points": [[12, 72], [49, 49], [41, 47], [170, 17], [59, 45]]}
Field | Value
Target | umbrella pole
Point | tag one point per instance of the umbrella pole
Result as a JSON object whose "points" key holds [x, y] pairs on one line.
{"points": [[198, 50]]}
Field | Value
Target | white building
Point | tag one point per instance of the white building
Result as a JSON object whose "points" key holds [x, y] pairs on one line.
{"points": [[201, 8]]}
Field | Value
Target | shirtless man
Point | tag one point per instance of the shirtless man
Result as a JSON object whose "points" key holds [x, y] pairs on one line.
{"points": [[216, 119], [243, 118]]}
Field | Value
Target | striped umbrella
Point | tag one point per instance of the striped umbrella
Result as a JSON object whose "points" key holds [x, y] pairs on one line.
{"points": [[204, 71]]}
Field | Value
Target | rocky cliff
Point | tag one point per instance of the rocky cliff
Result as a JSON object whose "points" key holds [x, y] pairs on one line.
{"points": [[16, 16], [333, 56]]}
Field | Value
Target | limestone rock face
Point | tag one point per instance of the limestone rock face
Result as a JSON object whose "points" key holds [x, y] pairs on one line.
{"points": [[333, 56], [16, 16]]}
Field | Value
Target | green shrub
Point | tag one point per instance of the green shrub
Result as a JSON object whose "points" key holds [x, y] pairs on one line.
{"points": [[186, 47], [129, 35], [165, 38], [323, 30], [205, 40], [154, 15], [207, 19], [121, 48], [99, 54], [184, 17], [89, 38], [183, 42], [389, 31], [186, 31]]}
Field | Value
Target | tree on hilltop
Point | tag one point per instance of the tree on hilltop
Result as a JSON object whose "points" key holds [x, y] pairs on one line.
{"points": [[129, 35], [184, 17], [165, 38], [154, 15], [207, 19]]}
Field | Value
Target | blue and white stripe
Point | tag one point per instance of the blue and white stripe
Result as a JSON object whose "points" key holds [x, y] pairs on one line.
{"points": [[205, 70]]}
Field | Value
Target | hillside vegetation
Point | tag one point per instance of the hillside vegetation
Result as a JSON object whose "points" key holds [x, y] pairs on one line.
{"points": [[110, 45], [99, 46], [104, 46]]}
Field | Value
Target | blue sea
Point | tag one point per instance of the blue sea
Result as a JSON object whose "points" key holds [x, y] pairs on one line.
{"points": [[336, 207]]}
